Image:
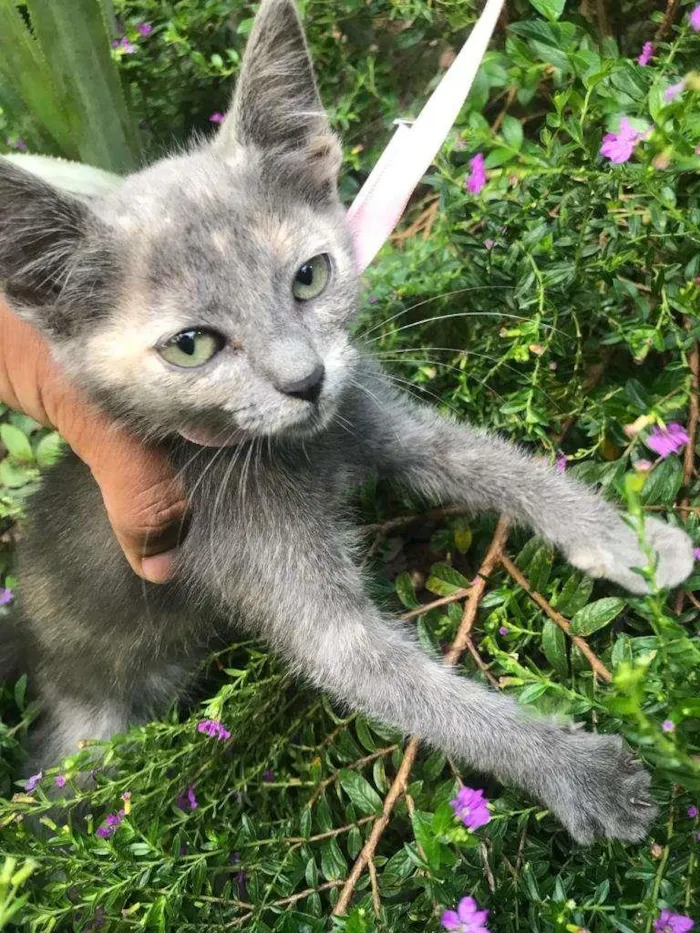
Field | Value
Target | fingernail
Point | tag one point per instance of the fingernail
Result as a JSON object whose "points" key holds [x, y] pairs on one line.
{"points": [[159, 568]]}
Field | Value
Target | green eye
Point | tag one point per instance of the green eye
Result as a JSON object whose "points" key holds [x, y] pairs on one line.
{"points": [[311, 278], [191, 348]]}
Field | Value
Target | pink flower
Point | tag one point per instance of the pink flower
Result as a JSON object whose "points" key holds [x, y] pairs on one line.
{"points": [[128, 48], [646, 54], [694, 19], [476, 179], [111, 824], [644, 466], [619, 147], [466, 919], [145, 29], [673, 923], [560, 463], [668, 725], [503, 630], [669, 440], [6, 597], [489, 244], [214, 729], [31, 784], [470, 806], [673, 91], [692, 812], [696, 553], [59, 780], [217, 117], [187, 799]]}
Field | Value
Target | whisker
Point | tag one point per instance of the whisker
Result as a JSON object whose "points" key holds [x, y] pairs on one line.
{"points": [[444, 317]]}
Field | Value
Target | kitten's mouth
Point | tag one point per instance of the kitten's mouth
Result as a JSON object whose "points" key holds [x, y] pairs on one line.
{"points": [[208, 437]]}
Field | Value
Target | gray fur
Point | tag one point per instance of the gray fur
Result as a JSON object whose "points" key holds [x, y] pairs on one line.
{"points": [[213, 238]]}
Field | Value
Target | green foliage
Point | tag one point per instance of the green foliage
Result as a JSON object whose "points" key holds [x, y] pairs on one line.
{"points": [[559, 307], [56, 62]]}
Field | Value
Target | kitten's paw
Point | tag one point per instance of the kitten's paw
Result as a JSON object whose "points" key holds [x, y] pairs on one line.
{"points": [[617, 551], [602, 790]]}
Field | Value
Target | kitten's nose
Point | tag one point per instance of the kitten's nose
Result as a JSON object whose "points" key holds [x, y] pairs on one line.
{"points": [[308, 388]]}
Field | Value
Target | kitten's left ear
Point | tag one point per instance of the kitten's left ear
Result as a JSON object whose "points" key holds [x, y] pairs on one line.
{"points": [[276, 106]]}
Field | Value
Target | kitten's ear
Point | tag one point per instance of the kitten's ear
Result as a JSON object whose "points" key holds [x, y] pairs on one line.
{"points": [[48, 269], [276, 106]]}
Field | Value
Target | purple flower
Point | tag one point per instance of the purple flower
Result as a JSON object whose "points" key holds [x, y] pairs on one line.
{"points": [[476, 179], [214, 729], [668, 725], [128, 48], [673, 923], [59, 780], [145, 29], [373, 299], [618, 147], [466, 919], [217, 117], [560, 463], [696, 553], [111, 824], [692, 812], [503, 630], [6, 597], [187, 799], [268, 776], [470, 806], [665, 441], [694, 20], [644, 466], [673, 91], [30, 785], [489, 244], [646, 54]]}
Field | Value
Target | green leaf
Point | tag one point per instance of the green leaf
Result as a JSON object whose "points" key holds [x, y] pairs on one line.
{"points": [[445, 580], [49, 449], [75, 39], [405, 590], [512, 132], [596, 615], [17, 443], [552, 9], [574, 594], [360, 791], [333, 864], [554, 647], [663, 483], [14, 475]]}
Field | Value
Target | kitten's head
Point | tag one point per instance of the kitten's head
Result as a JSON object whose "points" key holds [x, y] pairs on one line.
{"points": [[208, 295]]}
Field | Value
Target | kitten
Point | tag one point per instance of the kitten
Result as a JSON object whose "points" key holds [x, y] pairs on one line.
{"points": [[208, 300]]}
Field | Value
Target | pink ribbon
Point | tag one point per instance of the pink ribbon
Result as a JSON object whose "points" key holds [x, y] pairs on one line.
{"points": [[378, 207]]}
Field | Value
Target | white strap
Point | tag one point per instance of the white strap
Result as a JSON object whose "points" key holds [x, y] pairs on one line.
{"points": [[382, 200]]}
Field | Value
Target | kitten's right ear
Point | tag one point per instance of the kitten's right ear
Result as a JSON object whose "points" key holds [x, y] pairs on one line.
{"points": [[50, 270]]}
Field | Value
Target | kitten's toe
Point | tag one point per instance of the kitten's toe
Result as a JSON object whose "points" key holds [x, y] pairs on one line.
{"points": [[604, 791]]}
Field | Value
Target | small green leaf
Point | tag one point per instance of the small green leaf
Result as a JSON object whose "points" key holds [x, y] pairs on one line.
{"points": [[49, 449], [552, 9], [445, 580], [405, 590], [360, 792], [17, 443], [575, 594], [554, 647], [596, 615], [333, 864], [512, 132]]}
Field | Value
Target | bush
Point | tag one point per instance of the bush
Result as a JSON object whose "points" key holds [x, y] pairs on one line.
{"points": [[559, 306]]}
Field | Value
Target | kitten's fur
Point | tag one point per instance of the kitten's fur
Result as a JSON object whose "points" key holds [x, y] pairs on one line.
{"points": [[214, 238]]}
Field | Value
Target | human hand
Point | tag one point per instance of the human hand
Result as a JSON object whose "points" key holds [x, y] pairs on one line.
{"points": [[143, 498]]}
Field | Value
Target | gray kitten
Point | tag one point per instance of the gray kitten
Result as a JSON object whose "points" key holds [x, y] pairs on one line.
{"points": [[208, 299]]}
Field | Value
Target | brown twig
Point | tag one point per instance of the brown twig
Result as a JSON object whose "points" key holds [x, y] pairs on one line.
{"points": [[510, 97], [376, 902], [603, 21], [400, 782], [360, 763], [596, 664], [403, 521], [667, 21], [483, 851], [443, 601]]}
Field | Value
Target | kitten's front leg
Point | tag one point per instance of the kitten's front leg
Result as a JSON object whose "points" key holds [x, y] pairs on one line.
{"points": [[452, 462], [308, 602]]}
